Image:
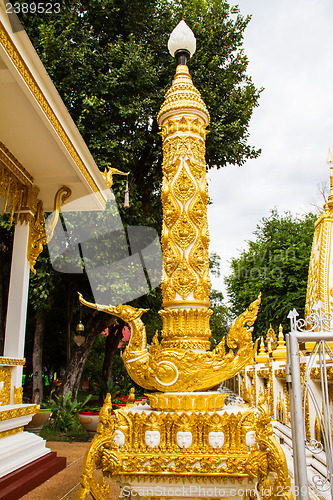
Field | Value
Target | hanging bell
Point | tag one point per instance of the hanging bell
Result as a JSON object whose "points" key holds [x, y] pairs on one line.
{"points": [[80, 327], [79, 338]]}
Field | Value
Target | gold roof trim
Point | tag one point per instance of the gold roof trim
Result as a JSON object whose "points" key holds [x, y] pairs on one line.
{"points": [[182, 95], [30, 81], [9, 161], [12, 361]]}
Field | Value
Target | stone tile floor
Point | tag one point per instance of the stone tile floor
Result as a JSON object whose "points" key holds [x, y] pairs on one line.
{"points": [[66, 484]]}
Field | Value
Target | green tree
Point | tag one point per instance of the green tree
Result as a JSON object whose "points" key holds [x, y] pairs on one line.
{"points": [[220, 320], [276, 264]]}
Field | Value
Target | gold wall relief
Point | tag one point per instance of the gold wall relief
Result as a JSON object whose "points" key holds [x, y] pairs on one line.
{"points": [[5, 384], [184, 187], [287, 401], [171, 209], [202, 290], [198, 211], [11, 164], [183, 95], [39, 235], [184, 232], [270, 387], [198, 258], [11, 432], [305, 403], [16, 184], [18, 395], [12, 361], [280, 409], [168, 292], [13, 190], [186, 328], [171, 257], [184, 279], [18, 412], [197, 168]]}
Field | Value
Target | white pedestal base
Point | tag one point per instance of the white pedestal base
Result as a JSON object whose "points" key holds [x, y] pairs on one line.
{"points": [[19, 450]]}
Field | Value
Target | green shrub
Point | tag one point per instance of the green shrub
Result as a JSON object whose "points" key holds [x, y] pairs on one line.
{"points": [[65, 411]]}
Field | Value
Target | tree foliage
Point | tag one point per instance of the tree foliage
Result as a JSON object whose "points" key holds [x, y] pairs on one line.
{"points": [[276, 264]]}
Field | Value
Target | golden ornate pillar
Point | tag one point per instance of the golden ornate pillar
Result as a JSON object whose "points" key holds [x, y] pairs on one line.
{"points": [[182, 362], [183, 436], [319, 297], [185, 287]]}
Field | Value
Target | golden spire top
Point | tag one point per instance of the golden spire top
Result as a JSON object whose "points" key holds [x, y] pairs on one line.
{"points": [[262, 356], [182, 96], [281, 351]]}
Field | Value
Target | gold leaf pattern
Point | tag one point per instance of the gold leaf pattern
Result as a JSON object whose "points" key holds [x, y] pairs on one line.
{"points": [[230, 462], [184, 187], [183, 146], [171, 209], [171, 258], [5, 378], [197, 168], [184, 279], [184, 231], [198, 258], [198, 211], [170, 168]]}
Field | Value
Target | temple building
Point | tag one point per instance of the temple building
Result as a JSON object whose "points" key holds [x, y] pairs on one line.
{"points": [[43, 163]]}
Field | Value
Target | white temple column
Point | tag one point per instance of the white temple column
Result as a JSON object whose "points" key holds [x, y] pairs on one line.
{"points": [[17, 301]]}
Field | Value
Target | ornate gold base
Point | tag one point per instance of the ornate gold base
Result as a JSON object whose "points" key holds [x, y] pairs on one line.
{"points": [[234, 446], [186, 328], [187, 401]]}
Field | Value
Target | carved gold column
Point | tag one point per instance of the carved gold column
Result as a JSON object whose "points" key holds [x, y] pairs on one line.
{"points": [[320, 278], [320, 281], [182, 362], [185, 287]]}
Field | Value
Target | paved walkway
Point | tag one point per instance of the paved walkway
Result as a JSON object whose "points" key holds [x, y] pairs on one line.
{"points": [[65, 485]]}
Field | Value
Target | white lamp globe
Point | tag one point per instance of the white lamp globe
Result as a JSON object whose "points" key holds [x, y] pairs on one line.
{"points": [[182, 38]]}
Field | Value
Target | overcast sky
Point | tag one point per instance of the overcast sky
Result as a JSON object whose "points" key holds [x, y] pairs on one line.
{"points": [[289, 44]]}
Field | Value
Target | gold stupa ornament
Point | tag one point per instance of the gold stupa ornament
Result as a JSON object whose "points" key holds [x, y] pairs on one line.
{"points": [[182, 362], [320, 280]]}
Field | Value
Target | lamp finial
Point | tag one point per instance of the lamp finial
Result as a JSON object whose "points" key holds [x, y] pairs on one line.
{"points": [[182, 43]]}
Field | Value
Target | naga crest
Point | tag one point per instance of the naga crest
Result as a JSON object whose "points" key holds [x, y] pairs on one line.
{"points": [[170, 369]]}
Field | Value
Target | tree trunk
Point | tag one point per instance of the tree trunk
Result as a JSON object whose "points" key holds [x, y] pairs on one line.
{"points": [[37, 358], [97, 322], [111, 346], [69, 314]]}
